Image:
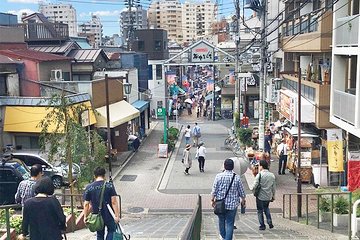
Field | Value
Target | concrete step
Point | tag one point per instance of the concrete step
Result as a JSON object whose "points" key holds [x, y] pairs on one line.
{"points": [[248, 228], [171, 225]]}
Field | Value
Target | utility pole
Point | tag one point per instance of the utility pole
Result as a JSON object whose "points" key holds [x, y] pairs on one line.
{"points": [[298, 172], [130, 29], [108, 145], [237, 70], [214, 98], [263, 75]]}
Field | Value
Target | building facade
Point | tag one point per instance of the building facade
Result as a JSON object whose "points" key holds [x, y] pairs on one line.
{"points": [[61, 13], [345, 75], [138, 21], [167, 15], [92, 29]]}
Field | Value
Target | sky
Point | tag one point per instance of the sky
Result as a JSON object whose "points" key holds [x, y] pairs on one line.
{"points": [[107, 10]]}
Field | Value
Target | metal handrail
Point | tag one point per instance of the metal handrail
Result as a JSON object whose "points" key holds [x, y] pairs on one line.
{"points": [[318, 195], [193, 226], [7, 217]]}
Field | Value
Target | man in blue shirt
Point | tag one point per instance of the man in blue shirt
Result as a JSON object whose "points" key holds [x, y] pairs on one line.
{"points": [[92, 197], [232, 200]]}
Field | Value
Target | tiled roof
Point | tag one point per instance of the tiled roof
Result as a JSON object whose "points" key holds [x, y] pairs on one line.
{"points": [[7, 60], [40, 101], [86, 55], [55, 49], [20, 54]]}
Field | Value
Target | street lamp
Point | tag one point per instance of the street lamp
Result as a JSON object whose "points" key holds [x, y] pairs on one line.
{"points": [[127, 89]]}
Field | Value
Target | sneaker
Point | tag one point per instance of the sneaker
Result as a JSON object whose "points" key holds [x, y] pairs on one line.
{"points": [[271, 226], [262, 228], [220, 237]]}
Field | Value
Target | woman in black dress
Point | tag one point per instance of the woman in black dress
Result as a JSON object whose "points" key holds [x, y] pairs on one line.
{"points": [[43, 216]]}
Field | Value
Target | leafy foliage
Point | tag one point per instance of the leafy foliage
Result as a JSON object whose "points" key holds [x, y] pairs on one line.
{"points": [[341, 205], [324, 204], [15, 220], [173, 134], [356, 196], [237, 119], [244, 135]]}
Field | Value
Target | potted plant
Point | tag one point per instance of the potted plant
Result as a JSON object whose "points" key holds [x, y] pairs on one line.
{"points": [[341, 211], [324, 206]]}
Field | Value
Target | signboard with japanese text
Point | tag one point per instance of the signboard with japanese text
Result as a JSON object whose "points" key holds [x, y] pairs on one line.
{"points": [[271, 92], [202, 53], [305, 158], [335, 150], [163, 151], [287, 107], [353, 170]]}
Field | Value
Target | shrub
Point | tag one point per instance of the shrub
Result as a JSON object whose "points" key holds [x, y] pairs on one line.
{"points": [[244, 135], [341, 205], [356, 196], [324, 204]]}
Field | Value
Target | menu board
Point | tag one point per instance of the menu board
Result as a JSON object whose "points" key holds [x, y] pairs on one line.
{"points": [[305, 158], [163, 151]]}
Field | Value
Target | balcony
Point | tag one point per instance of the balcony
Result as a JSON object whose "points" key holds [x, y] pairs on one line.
{"points": [[308, 33], [347, 31], [45, 31], [343, 107]]}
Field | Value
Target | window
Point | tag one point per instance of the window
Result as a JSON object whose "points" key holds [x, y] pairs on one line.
{"points": [[158, 72], [7, 176], [157, 45], [3, 90], [141, 45], [27, 142], [150, 72]]}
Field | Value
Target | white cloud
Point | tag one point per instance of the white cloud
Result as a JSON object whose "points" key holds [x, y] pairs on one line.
{"points": [[20, 12], [101, 13], [24, 1]]}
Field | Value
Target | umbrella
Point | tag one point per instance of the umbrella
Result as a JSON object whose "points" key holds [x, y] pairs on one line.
{"points": [[189, 101]]}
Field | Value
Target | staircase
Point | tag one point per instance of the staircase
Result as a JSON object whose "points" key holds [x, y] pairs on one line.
{"points": [[170, 226]]}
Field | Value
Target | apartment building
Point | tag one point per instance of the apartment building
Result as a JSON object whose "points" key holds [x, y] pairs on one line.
{"points": [[345, 75], [61, 13], [92, 29], [167, 15], [139, 20], [197, 20]]}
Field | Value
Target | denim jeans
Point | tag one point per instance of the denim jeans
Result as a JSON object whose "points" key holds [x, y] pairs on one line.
{"points": [[263, 207], [282, 164], [226, 224], [187, 140], [110, 226]]}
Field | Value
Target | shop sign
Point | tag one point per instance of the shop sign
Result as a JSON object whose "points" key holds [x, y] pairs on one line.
{"points": [[271, 92], [287, 107], [305, 158], [163, 151], [202, 53], [160, 112], [335, 150], [353, 175]]}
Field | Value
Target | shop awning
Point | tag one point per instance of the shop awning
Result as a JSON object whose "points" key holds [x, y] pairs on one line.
{"points": [[294, 132], [140, 105], [26, 119], [120, 112]]}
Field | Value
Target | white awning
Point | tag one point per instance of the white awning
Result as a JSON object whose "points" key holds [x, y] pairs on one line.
{"points": [[120, 112]]}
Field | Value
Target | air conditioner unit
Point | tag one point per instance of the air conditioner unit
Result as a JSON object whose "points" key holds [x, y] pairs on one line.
{"points": [[56, 75]]}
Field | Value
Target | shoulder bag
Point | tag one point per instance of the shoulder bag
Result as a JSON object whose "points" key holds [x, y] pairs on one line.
{"points": [[219, 207], [94, 221], [258, 187]]}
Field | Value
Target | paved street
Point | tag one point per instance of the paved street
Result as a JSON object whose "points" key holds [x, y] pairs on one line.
{"points": [[158, 198]]}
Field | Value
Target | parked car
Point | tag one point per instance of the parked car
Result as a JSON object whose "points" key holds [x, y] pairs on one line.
{"points": [[58, 174], [11, 174]]}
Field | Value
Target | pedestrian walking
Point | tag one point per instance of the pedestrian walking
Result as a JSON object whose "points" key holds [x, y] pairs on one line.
{"points": [[228, 185], [265, 185], [135, 142], [196, 132], [282, 153], [186, 159], [43, 216], [268, 142], [198, 111], [26, 187], [187, 134], [200, 155], [92, 197]]}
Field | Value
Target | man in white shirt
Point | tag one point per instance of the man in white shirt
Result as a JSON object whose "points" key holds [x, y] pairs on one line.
{"points": [[282, 153], [200, 155]]}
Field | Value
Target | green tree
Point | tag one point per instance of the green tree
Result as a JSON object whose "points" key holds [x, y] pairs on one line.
{"points": [[65, 139]]}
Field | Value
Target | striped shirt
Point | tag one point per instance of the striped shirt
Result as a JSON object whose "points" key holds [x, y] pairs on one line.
{"points": [[220, 186], [25, 191]]}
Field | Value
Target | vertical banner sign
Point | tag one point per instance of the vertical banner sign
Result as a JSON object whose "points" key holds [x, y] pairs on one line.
{"points": [[353, 171], [335, 150]]}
